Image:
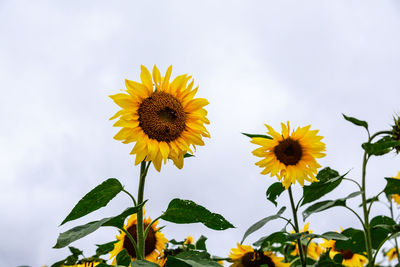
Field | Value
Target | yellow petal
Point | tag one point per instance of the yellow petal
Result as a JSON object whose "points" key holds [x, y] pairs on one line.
{"points": [[164, 149], [137, 89], [152, 147], [157, 77], [157, 162], [145, 77], [167, 76], [196, 104]]}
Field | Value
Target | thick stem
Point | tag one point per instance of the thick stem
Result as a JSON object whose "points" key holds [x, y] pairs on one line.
{"points": [[296, 223], [140, 231]]}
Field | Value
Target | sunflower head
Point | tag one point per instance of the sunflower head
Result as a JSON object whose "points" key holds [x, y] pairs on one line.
{"points": [[396, 131], [154, 243], [350, 258], [246, 256], [162, 118], [290, 156]]}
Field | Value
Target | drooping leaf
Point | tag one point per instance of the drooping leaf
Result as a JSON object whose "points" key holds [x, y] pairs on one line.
{"points": [[186, 211], [105, 248], [355, 243], [356, 121], [191, 258], [201, 243], [144, 263], [95, 199], [261, 223], [257, 135], [118, 221], [277, 237], [392, 186], [328, 236], [274, 191], [328, 178], [123, 258], [381, 147], [327, 204]]}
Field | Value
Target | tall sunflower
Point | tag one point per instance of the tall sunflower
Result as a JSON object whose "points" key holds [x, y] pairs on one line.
{"points": [[245, 256], [396, 197], [350, 259], [290, 156], [154, 243], [164, 118]]}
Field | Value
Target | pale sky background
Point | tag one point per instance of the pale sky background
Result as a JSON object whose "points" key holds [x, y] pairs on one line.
{"points": [[255, 61]]}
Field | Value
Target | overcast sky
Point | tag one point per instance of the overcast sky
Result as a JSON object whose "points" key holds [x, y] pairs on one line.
{"points": [[255, 61]]}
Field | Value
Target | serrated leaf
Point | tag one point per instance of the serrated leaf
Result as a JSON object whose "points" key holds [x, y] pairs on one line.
{"points": [[261, 223], [95, 199], [274, 191], [257, 135], [327, 204], [328, 178], [123, 258], [143, 263], [381, 147], [186, 211], [356, 121]]}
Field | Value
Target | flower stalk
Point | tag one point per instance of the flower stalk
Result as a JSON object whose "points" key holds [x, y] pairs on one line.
{"points": [[296, 229]]}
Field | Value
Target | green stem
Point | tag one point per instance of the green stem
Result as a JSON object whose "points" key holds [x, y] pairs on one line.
{"points": [[288, 221], [140, 253], [395, 240], [296, 229], [129, 194], [149, 226], [130, 238]]}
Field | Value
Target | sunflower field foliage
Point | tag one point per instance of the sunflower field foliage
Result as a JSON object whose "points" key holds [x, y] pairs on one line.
{"points": [[163, 120]]}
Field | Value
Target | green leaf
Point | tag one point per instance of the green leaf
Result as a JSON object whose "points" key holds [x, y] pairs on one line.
{"points": [[327, 204], [356, 121], [123, 258], [188, 155], [66, 238], [191, 258], [381, 226], [338, 258], [201, 243], [75, 251], [95, 199], [328, 178], [261, 223], [274, 238], [326, 261], [58, 263], [186, 211], [295, 236], [257, 135], [328, 236], [143, 263], [392, 186], [105, 248], [381, 147], [274, 191], [355, 243]]}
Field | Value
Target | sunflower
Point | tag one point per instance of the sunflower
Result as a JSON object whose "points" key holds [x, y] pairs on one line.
{"points": [[396, 197], [245, 256], [154, 243], [290, 156], [391, 254], [349, 258], [85, 263], [189, 240], [313, 249], [164, 120]]}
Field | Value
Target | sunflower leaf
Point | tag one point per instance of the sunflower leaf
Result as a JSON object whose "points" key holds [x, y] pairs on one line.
{"points": [[261, 223], [188, 155], [274, 238], [328, 178], [392, 186], [186, 211], [95, 199], [327, 204], [257, 135], [274, 191], [143, 263], [328, 236], [356, 121], [380, 147], [355, 243], [123, 258], [201, 243], [105, 248], [191, 258], [118, 221]]}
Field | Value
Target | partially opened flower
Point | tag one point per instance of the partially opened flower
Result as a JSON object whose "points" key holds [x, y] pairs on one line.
{"points": [[290, 156], [396, 197], [154, 243], [245, 256], [164, 120]]}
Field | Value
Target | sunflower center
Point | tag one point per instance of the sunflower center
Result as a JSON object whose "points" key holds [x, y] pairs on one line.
{"points": [[150, 243], [347, 254], [162, 117], [256, 259], [288, 151]]}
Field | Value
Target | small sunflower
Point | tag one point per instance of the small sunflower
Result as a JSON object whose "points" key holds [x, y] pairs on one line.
{"points": [[290, 156], [396, 197], [154, 243], [350, 259], [391, 254], [164, 119], [313, 250], [245, 256]]}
